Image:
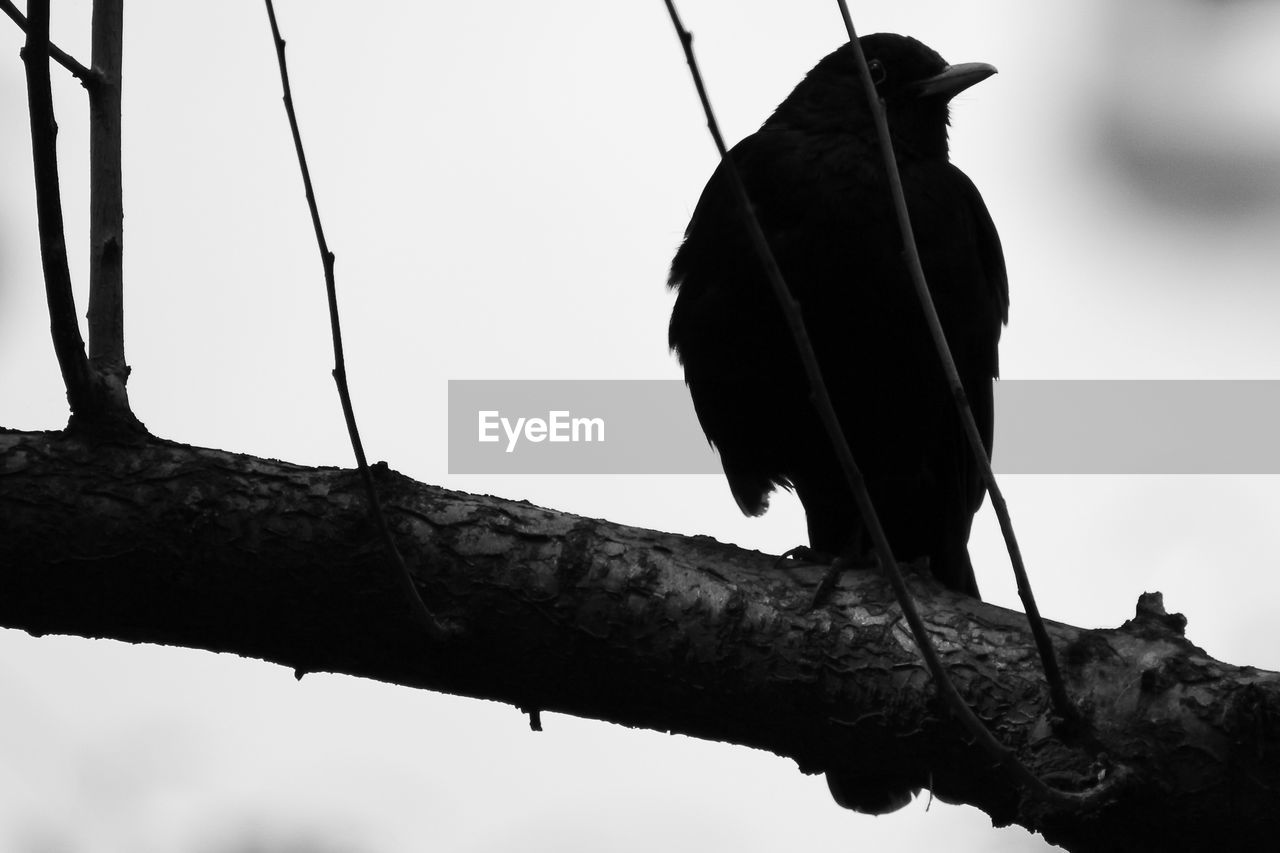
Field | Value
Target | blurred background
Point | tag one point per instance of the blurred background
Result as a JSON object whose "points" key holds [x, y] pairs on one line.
{"points": [[504, 185]]}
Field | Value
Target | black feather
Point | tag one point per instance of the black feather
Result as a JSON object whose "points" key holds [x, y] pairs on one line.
{"points": [[816, 181]]}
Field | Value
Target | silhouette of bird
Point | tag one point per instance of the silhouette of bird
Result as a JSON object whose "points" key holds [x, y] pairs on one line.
{"points": [[815, 177], [816, 181]]}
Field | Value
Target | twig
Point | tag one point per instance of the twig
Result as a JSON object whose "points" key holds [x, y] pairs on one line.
{"points": [[1057, 689], [835, 433], [87, 78], [435, 628], [68, 345], [106, 200]]}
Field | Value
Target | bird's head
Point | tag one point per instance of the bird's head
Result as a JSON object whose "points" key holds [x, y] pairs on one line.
{"points": [[915, 83]]}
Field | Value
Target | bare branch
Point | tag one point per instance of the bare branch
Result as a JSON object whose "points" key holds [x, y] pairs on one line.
{"points": [[170, 544], [87, 78], [433, 626], [106, 203], [63, 323]]}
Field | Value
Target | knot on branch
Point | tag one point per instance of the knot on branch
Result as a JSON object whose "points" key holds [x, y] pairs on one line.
{"points": [[1151, 621]]}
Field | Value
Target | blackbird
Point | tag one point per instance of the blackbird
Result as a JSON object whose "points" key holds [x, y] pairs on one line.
{"points": [[816, 180]]}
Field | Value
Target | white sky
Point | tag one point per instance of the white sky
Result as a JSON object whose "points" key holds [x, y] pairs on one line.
{"points": [[504, 185]]}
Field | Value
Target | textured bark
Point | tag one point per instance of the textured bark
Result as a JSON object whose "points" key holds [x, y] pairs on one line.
{"points": [[159, 542]]}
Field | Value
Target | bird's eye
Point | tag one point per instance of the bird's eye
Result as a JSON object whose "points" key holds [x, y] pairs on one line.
{"points": [[876, 67]]}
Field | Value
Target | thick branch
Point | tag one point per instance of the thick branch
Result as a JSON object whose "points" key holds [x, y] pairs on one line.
{"points": [[170, 544]]}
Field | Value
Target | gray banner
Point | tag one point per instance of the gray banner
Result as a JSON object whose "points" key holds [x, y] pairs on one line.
{"points": [[543, 427]]}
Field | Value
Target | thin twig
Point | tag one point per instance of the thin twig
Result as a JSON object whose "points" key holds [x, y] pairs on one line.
{"points": [[87, 78], [68, 345], [435, 628], [1057, 688], [106, 200], [835, 433]]}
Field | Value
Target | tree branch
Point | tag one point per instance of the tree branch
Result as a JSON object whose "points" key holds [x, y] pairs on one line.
{"points": [[87, 78], [95, 389], [68, 345], [185, 546], [106, 204], [433, 627]]}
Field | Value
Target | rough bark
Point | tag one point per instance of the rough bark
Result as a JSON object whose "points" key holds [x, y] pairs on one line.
{"points": [[150, 541]]}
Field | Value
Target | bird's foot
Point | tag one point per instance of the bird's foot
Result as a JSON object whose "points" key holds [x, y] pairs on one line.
{"points": [[918, 566], [828, 583], [831, 579], [802, 555]]}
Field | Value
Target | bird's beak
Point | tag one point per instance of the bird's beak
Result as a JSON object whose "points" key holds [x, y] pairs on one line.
{"points": [[952, 80]]}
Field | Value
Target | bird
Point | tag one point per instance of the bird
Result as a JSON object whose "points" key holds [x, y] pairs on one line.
{"points": [[817, 185]]}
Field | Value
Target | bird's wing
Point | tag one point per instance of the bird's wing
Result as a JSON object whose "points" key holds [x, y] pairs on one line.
{"points": [[992, 293], [725, 319], [990, 253], [961, 253]]}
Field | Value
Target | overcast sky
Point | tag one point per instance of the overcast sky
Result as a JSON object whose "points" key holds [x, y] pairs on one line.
{"points": [[504, 185]]}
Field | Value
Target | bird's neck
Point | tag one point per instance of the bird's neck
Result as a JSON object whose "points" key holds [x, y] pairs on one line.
{"points": [[920, 131]]}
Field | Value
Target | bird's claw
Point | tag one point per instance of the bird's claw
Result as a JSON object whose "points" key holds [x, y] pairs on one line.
{"points": [[803, 555], [831, 579], [917, 566], [828, 583]]}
